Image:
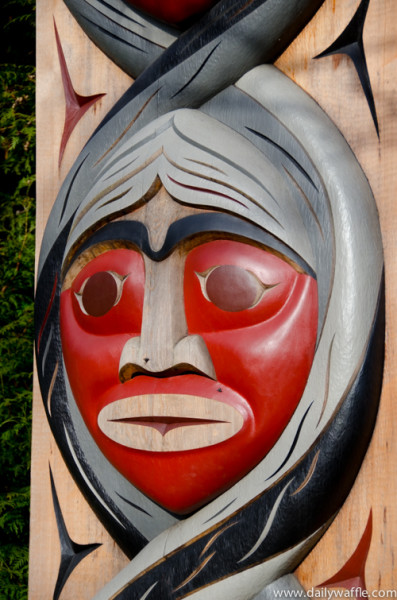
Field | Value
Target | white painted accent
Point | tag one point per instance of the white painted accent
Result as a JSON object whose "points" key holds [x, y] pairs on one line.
{"points": [[269, 522], [146, 594]]}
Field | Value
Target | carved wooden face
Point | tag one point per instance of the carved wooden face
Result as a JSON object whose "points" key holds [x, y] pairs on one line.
{"points": [[187, 357]]}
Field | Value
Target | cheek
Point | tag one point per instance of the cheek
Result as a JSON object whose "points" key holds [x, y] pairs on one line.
{"points": [[269, 363], [92, 346], [91, 360]]}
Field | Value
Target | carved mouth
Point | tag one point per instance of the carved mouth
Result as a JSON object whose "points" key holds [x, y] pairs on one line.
{"points": [[169, 422], [165, 424]]}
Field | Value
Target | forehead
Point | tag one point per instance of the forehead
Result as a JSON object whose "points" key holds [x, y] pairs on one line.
{"points": [[158, 214], [203, 164]]}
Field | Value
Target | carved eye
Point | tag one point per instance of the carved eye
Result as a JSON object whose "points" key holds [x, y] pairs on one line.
{"points": [[232, 288], [100, 292]]}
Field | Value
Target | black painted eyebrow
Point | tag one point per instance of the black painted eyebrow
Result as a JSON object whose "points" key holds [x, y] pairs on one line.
{"points": [[136, 233]]}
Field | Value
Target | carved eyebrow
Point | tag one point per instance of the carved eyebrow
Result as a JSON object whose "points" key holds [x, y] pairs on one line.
{"points": [[136, 233]]}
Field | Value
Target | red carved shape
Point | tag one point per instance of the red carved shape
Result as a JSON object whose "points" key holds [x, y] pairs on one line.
{"points": [[173, 11], [76, 105], [352, 575], [257, 315]]}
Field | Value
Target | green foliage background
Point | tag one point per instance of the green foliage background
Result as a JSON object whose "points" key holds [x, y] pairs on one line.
{"points": [[17, 218]]}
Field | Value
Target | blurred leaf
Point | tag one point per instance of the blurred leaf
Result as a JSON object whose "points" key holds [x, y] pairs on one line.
{"points": [[17, 227]]}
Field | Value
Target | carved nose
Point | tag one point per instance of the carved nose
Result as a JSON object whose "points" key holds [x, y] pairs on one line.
{"points": [[164, 347], [189, 355]]}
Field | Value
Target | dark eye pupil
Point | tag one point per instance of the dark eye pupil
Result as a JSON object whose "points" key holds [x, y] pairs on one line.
{"points": [[99, 294], [232, 288]]}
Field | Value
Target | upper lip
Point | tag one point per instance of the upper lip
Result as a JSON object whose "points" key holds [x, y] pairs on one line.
{"points": [[167, 405]]}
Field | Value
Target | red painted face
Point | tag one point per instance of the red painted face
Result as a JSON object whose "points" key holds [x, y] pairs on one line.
{"points": [[152, 385], [173, 11]]}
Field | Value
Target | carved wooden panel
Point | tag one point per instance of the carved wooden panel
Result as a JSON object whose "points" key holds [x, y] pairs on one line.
{"points": [[231, 252]]}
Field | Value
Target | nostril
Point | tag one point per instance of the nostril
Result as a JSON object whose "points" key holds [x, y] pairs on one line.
{"points": [[131, 370]]}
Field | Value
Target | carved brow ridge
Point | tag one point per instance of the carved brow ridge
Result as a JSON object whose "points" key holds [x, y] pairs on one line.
{"points": [[185, 228]]}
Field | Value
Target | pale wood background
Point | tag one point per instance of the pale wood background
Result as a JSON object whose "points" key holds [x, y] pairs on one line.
{"points": [[333, 82]]}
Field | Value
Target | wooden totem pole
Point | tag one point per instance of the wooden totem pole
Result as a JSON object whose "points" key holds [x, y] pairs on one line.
{"points": [[210, 305]]}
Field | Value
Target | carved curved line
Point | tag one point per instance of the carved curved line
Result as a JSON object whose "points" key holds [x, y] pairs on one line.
{"points": [[215, 537], [118, 12], [47, 312], [86, 480], [309, 474], [327, 378], [120, 170], [205, 191], [114, 36], [134, 505], [146, 594], [46, 349], [228, 162], [130, 124], [71, 552], [207, 165], [269, 522], [285, 153], [112, 187], [350, 42], [220, 511], [218, 182], [293, 443], [201, 67], [155, 565], [70, 188], [240, 10], [307, 203], [195, 572], [114, 199], [97, 16], [50, 389]]}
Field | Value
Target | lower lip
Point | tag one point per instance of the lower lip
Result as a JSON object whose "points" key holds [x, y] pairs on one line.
{"points": [[172, 414]]}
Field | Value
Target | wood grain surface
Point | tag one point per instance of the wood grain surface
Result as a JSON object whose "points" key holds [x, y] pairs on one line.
{"points": [[334, 83]]}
